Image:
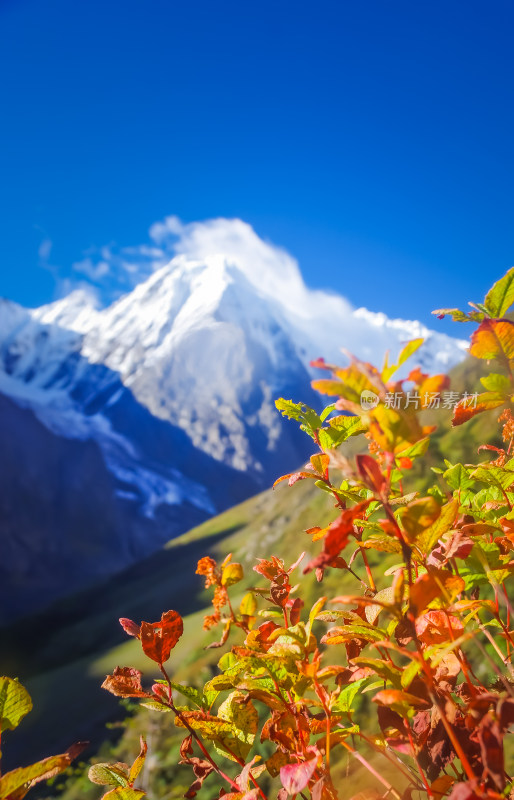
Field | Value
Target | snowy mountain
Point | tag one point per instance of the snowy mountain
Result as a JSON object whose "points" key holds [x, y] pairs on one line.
{"points": [[175, 381]]}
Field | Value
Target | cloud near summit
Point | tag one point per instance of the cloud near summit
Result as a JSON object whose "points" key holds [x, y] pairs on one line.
{"points": [[114, 270]]}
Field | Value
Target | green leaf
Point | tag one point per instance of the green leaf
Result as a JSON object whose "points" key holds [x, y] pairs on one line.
{"points": [[326, 411], [457, 477], [383, 669], [501, 295], [409, 349], [409, 673], [349, 425], [494, 476], [226, 661], [347, 695], [405, 353], [347, 633], [108, 775], [308, 418], [220, 683], [15, 703], [155, 705], [329, 439], [457, 315], [495, 383], [191, 693], [417, 449], [243, 716]]}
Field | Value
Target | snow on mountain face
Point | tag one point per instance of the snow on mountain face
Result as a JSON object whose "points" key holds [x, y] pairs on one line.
{"points": [[206, 343]]}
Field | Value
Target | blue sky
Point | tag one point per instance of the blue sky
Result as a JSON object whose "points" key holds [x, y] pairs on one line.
{"points": [[371, 139]]}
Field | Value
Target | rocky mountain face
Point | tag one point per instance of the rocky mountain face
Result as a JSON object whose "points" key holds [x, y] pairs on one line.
{"points": [[122, 426]]}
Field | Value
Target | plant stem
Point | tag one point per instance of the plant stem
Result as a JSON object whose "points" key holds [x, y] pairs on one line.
{"points": [[193, 733], [373, 771]]}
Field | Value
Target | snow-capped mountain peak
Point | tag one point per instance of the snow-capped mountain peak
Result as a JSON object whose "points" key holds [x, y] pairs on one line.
{"points": [[209, 339], [175, 381]]}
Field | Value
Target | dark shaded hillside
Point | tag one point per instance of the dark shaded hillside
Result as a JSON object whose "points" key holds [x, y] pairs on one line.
{"points": [[64, 524], [58, 511]]}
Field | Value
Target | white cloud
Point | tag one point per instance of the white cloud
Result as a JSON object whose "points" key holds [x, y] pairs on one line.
{"points": [[44, 250], [271, 269], [161, 231], [95, 272]]}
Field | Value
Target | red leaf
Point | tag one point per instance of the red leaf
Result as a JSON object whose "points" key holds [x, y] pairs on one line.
{"points": [[294, 477], [159, 638], [130, 627], [370, 472], [491, 746], [337, 537], [295, 777], [296, 608]]}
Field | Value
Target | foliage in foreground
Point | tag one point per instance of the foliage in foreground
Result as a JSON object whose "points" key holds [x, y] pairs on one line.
{"points": [[429, 641]]}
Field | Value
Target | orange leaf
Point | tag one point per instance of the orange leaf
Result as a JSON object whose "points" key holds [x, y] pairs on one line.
{"points": [[320, 463], [394, 697], [433, 584], [159, 638], [493, 339], [435, 627], [484, 402], [125, 682], [432, 386]]}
